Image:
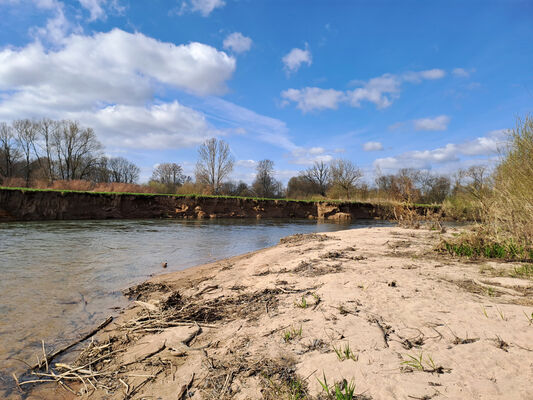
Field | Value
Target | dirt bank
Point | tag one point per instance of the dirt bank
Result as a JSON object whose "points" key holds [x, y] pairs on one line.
{"points": [[29, 205], [376, 308]]}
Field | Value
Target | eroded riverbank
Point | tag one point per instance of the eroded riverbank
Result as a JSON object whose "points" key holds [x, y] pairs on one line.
{"points": [[375, 306]]}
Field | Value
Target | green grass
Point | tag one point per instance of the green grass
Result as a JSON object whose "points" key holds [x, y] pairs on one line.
{"points": [[524, 271], [292, 334], [302, 303], [508, 249], [194, 195], [340, 391], [345, 353]]}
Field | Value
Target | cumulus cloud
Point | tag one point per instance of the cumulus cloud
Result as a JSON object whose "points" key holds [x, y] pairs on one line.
{"points": [[122, 68], [295, 58], [204, 7], [439, 123], [114, 89], [160, 126], [381, 91], [372, 146], [313, 98], [451, 153], [237, 42]]}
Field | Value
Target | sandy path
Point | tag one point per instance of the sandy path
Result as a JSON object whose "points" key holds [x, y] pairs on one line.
{"points": [[270, 322]]}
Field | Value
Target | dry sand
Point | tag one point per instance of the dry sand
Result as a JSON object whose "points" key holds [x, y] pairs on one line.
{"points": [[268, 324]]}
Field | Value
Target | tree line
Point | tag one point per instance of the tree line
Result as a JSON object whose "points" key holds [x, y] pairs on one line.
{"points": [[60, 153], [58, 150]]}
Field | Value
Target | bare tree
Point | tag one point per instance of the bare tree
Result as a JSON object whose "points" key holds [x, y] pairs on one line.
{"points": [[77, 150], [345, 175], [265, 185], [169, 174], [122, 170], [215, 163], [319, 176], [9, 153], [26, 135], [47, 128]]}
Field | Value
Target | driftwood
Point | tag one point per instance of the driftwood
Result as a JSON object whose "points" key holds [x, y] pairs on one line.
{"points": [[48, 358]]}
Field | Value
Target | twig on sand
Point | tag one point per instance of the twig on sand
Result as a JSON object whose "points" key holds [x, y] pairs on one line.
{"points": [[48, 358]]}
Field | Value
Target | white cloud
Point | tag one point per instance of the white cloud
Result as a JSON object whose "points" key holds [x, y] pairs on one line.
{"points": [[372, 146], [123, 67], [451, 153], [439, 123], [246, 163], [95, 8], [461, 72], [114, 89], [162, 126], [308, 156], [381, 91], [313, 98], [237, 42], [295, 58], [57, 26], [429, 74], [206, 7]]}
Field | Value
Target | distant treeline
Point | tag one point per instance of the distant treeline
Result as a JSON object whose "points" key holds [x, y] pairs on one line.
{"points": [[66, 155]]}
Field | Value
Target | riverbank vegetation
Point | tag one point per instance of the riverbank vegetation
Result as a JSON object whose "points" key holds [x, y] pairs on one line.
{"points": [[63, 155], [503, 203]]}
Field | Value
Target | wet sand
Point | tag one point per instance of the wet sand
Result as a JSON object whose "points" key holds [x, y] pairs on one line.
{"points": [[376, 307]]}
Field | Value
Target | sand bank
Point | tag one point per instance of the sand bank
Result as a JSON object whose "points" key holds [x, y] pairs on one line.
{"points": [[377, 307]]}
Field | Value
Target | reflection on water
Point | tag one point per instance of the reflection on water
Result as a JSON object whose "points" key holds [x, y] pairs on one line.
{"points": [[58, 278]]}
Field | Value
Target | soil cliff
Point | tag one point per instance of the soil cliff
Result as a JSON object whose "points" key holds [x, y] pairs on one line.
{"points": [[30, 205]]}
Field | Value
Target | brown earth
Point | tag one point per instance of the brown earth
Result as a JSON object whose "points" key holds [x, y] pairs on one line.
{"points": [[19, 205], [376, 308]]}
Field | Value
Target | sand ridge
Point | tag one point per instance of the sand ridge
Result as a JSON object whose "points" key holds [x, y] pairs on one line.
{"points": [[376, 307]]}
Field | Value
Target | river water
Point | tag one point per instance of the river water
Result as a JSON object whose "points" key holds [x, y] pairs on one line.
{"points": [[60, 278]]}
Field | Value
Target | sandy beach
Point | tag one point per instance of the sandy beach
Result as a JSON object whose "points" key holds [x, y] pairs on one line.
{"points": [[377, 309]]}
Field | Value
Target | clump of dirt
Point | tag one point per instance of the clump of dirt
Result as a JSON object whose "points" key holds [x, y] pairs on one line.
{"points": [[247, 306], [473, 287], [145, 290], [306, 268], [333, 254], [300, 238]]}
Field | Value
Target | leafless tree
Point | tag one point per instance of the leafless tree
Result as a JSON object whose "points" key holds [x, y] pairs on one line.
{"points": [[26, 135], [77, 150], [265, 185], [214, 164], [319, 176], [345, 175], [47, 128], [169, 174], [9, 153], [122, 170]]}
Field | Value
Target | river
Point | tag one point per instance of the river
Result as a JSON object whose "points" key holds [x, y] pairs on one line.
{"points": [[59, 278]]}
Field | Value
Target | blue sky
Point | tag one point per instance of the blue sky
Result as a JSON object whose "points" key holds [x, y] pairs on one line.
{"points": [[386, 84]]}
